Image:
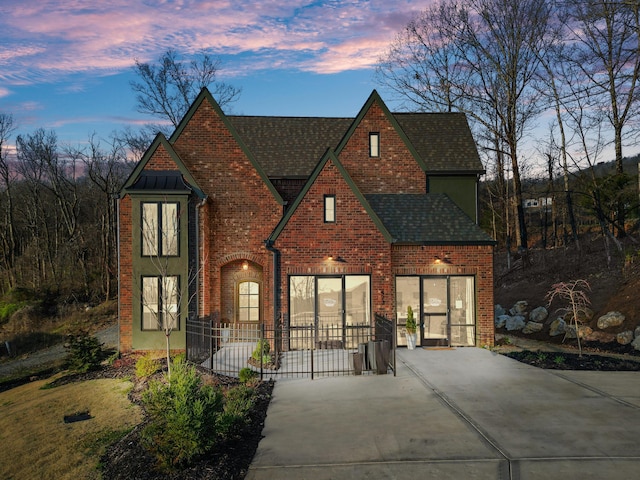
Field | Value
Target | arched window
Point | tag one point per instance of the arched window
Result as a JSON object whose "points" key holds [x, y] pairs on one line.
{"points": [[249, 302]]}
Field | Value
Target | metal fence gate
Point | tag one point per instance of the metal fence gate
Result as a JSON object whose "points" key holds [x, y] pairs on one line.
{"points": [[303, 351]]}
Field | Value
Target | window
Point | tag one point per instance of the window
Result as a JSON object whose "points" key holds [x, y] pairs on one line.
{"points": [[329, 208], [249, 302], [160, 303], [160, 232], [374, 144]]}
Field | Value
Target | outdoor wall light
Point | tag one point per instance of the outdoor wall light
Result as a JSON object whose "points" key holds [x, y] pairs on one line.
{"points": [[245, 265], [335, 258], [440, 259]]}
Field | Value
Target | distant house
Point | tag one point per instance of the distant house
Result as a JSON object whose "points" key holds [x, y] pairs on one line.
{"points": [[258, 220]]}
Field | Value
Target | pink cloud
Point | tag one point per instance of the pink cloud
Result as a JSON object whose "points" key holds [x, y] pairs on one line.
{"points": [[52, 38]]}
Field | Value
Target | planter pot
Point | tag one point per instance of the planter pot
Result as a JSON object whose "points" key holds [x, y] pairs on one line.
{"points": [[411, 340]]}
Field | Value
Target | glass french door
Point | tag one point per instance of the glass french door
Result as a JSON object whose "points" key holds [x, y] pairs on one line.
{"points": [[443, 305], [435, 319]]}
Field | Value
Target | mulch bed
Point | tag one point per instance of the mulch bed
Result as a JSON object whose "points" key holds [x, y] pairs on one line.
{"points": [[574, 361], [127, 459]]}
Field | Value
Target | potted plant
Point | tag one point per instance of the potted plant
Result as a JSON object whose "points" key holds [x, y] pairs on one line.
{"points": [[411, 329]]}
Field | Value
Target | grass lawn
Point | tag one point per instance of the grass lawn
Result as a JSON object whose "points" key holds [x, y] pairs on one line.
{"points": [[36, 441]]}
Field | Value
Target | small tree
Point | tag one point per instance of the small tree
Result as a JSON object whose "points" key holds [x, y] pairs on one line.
{"points": [[576, 293], [162, 295]]}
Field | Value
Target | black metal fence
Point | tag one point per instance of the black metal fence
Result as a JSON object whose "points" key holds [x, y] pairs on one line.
{"points": [[300, 351]]}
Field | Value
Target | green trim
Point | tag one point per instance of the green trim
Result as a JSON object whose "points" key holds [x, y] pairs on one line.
{"points": [[375, 97], [206, 95], [330, 155], [159, 141]]}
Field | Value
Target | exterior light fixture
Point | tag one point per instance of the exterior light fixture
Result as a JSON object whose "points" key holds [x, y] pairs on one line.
{"points": [[440, 259], [245, 265]]}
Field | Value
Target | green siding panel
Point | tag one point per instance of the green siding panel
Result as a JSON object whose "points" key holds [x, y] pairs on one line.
{"points": [[460, 189]]}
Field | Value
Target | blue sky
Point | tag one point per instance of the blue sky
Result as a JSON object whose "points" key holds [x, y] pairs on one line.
{"points": [[66, 64]]}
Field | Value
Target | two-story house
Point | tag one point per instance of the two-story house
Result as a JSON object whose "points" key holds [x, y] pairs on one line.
{"points": [[258, 220]]}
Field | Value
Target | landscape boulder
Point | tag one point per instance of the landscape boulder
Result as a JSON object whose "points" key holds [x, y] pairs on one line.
{"points": [[515, 323], [519, 308], [610, 319], [636, 334], [538, 315], [583, 331], [532, 327], [599, 336], [499, 310], [557, 327], [501, 321], [636, 343], [625, 338]]}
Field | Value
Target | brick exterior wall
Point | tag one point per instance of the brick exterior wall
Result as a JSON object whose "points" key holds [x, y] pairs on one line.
{"points": [[240, 212], [394, 171], [464, 260], [306, 241], [126, 286]]}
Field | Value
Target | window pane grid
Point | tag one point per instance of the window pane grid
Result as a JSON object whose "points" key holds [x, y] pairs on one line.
{"points": [[249, 302]]}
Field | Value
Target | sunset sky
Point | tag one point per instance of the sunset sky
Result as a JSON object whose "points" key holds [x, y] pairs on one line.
{"points": [[66, 64]]}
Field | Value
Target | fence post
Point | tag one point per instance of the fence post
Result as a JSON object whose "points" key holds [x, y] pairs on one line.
{"points": [[260, 344], [210, 342]]}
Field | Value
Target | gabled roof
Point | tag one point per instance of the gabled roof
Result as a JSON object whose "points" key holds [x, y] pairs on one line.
{"points": [[147, 181], [330, 156], [290, 147], [205, 95], [426, 219], [443, 141]]}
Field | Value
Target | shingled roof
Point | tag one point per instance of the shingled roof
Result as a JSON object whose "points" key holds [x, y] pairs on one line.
{"points": [[426, 219], [290, 147]]}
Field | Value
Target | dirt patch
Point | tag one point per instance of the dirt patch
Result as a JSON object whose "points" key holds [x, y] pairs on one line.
{"points": [[614, 286]]}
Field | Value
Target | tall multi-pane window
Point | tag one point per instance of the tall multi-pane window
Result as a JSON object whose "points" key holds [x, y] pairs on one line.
{"points": [[374, 144], [249, 302], [160, 229], [329, 208], [160, 303]]}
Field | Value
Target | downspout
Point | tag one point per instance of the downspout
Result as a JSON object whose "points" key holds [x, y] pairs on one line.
{"points": [[117, 199], [199, 268], [276, 280]]}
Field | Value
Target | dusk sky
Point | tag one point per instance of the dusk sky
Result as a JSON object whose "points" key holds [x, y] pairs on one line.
{"points": [[66, 64]]}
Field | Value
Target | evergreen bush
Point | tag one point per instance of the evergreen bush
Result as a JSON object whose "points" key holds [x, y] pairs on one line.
{"points": [[84, 352]]}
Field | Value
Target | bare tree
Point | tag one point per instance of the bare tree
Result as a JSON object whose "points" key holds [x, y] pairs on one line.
{"points": [[492, 51], [166, 90], [576, 293], [7, 177], [165, 292], [605, 46], [106, 170]]}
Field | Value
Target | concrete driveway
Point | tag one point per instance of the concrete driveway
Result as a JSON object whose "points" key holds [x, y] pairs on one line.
{"points": [[465, 413]]}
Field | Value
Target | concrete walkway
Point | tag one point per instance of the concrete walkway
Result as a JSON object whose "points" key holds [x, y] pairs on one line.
{"points": [[454, 414]]}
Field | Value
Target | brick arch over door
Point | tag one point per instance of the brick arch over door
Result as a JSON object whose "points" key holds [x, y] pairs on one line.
{"points": [[232, 274]]}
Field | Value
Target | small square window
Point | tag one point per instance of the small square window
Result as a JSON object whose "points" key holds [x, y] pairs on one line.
{"points": [[374, 144], [329, 208]]}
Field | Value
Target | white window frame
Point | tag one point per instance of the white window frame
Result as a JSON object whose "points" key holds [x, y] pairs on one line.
{"points": [[374, 144], [329, 209]]}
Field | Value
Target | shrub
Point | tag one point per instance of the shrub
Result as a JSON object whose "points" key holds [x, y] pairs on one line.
{"points": [[238, 403], [262, 350], [183, 414], [84, 352], [147, 366], [8, 309], [247, 375]]}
